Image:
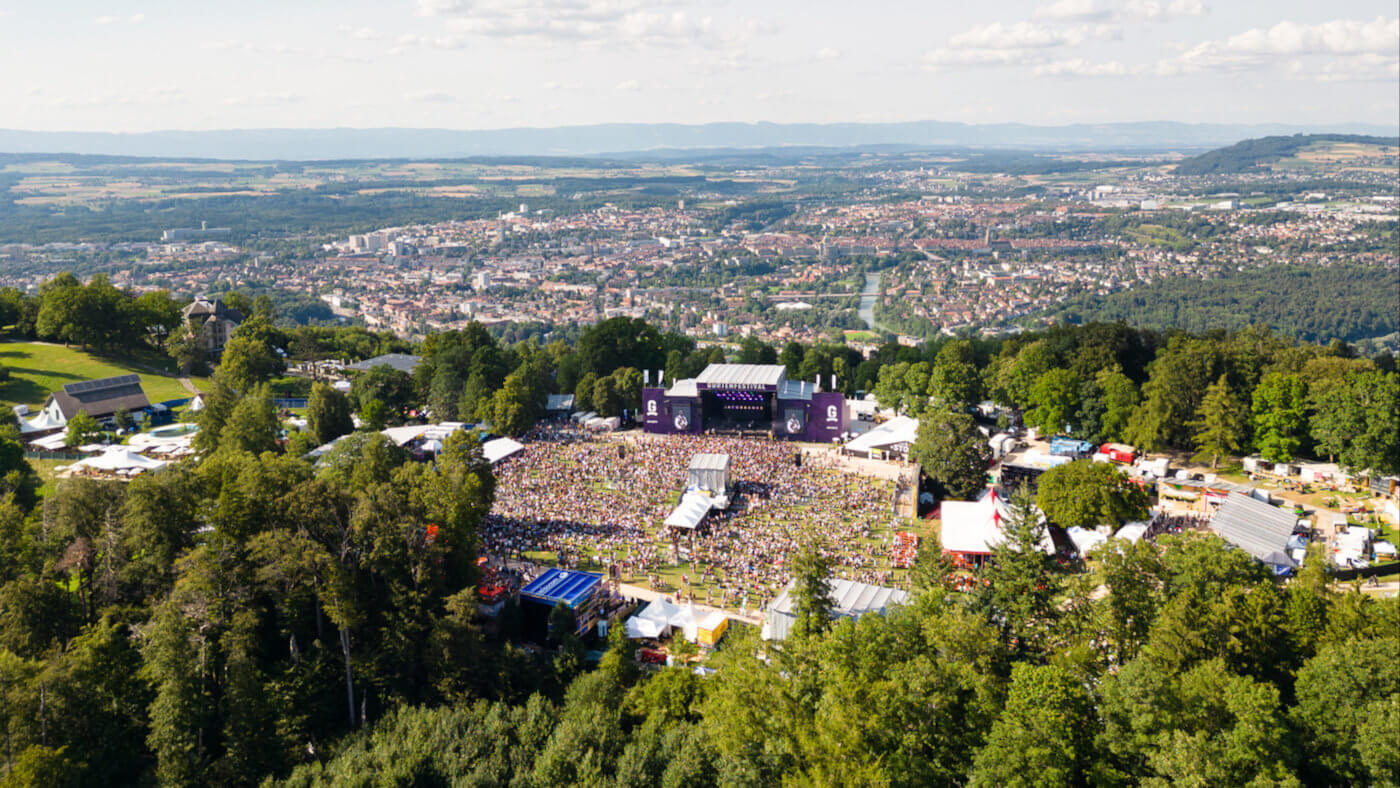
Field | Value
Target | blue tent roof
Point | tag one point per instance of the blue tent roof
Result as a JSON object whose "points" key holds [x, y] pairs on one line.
{"points": [[560, 585]]}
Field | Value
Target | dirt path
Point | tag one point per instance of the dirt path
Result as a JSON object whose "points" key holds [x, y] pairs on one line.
{"points": [[190, 386]]}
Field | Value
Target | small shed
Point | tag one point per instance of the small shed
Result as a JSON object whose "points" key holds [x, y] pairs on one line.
{"points": [[710, 628]]}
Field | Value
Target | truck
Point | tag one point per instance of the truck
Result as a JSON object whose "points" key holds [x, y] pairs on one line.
{"points": [[1119, 452], [1070, 447]]}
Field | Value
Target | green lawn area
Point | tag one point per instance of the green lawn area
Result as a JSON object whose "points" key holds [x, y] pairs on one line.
{"points": [[862, 336], [37, 369]]}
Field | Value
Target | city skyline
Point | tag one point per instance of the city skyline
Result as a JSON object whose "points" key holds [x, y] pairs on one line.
{"points": [[489, 64]]}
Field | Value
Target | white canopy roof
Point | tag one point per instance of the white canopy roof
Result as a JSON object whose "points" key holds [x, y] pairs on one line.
{"points": [[1132, 532], [52, 442], [501, 448], [119, 458], [41, 423], [977, 526], [402, 436], [1085, 539], [690, 511], [850, 600], [900, 429], [659, 617]]}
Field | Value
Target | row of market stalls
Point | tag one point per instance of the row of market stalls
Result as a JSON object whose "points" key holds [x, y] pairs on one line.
{"points": [[428, 439], [661, 619]]}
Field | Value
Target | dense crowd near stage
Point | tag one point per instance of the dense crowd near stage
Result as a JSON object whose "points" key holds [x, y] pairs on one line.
{"points": [[592, 500]]}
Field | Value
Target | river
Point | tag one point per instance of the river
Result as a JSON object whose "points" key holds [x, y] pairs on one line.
{"points": [[867, 300]]}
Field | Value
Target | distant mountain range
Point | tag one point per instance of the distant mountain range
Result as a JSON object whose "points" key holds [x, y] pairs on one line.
{"points": [[619, 138]]}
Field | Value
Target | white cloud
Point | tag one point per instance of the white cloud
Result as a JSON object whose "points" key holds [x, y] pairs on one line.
{"points": [[366, 34], [629, 84], [279, 48], [134, 19], [1159, 11], [430, 96], [592, 22], [1368, 67], [1341, 36], [1022, 43], [264, 98], [981, 57], [1029, 35], [1260, 47], [828, 53], [1074, 10], [1078, 67]]}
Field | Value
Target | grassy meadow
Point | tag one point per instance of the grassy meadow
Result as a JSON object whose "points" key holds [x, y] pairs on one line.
{"points": [[37, 368]]}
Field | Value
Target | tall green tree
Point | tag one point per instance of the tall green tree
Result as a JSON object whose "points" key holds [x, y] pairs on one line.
{"points": [[1043, 736], [1055, 400], [253, 425], [812, 606], [952, 452], [1221, 424], [1085, 493], [1280, 417], [250, 357], [1021, 582], [328, 414]]}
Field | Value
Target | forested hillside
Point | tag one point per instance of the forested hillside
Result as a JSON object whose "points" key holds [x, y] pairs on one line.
{"points": [[251, 615], [1346, 302], [1249, 155]]}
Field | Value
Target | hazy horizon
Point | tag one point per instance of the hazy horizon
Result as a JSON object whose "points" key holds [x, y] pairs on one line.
{"points": [[500, 64]]}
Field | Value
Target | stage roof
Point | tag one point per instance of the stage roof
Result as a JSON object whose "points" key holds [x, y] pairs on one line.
{"points": [[742, 375], [560, 585], [1257, 528], [851, 600]]}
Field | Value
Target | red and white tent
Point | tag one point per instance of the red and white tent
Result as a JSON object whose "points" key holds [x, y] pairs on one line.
{"points": [[973, 528]]}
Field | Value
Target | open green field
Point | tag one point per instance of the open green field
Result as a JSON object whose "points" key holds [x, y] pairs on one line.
{"points": [[861, 336], [37, 368]]}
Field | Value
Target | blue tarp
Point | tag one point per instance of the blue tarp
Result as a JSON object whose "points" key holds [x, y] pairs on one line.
{"points": [[560, 585]]}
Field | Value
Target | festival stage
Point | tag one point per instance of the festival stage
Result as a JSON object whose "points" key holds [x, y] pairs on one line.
{"points": [[745, 399]]}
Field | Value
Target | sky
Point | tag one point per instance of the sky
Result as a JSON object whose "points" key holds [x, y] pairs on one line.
{"points": [[82, 65]]}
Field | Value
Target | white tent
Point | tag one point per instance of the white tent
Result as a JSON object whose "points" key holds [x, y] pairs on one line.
{"points": [[43, 422], [501, 448], [196, 404], [658, 618], [52, 442], [896, 431], [690, 511], [1132, 532], [975, 527], [120, 458], [1085, 539]]}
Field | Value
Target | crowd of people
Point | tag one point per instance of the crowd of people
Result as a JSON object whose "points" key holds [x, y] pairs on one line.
{"points": [[590, 501]]}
